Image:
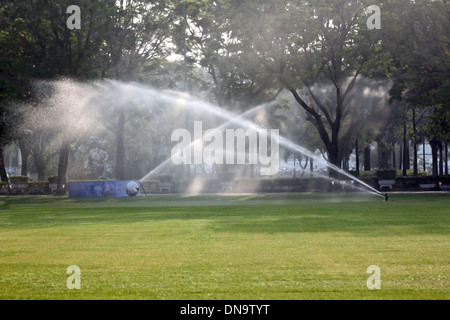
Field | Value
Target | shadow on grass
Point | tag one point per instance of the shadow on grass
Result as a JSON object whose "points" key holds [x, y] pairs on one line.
{"points": [[258, 213]]}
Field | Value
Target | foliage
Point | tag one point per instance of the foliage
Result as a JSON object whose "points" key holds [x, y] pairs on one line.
{"points": [[386, 174], [240, 54], [53, 179], [18, 179], [437, 125], [313, 43], [168, 178], [38, 188], [410, 173], [216, 42], [421, 35], [10, 119]]}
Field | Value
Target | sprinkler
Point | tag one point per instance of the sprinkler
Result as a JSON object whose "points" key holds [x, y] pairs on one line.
{"points": [[142, 187], [386, 196]]}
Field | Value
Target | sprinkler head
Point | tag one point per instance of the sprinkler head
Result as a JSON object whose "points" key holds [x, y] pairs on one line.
{"points": [[386, 196]]}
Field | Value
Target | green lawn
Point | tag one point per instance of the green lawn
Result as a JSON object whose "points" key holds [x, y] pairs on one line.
{"points": [[278, 246]]}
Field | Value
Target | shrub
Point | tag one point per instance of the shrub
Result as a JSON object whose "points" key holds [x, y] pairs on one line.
{"points": [[150, 186], [18, 179], [225, 176], [167, 178], [354, 173], [367, 175], [38, 187], [53, 179], [409, 173], [389, 174]]}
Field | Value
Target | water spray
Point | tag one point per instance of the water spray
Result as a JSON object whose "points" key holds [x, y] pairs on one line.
{"points": [[239, 119], [284, 142], [333, 181], [219, 128], [193, 103]]}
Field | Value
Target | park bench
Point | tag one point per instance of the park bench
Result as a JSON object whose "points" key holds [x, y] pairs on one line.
{"points": [[226, 186], [427, 185], [386, 184], [165, 187]]}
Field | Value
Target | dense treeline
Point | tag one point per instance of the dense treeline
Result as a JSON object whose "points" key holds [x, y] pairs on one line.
{"points": [[342, 85]]}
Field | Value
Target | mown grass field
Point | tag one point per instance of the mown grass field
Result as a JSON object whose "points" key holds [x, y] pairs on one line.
{"points": [[221, 247]]}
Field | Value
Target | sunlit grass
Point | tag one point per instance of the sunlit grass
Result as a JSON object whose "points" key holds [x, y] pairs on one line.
{"points": [[279, 246]]}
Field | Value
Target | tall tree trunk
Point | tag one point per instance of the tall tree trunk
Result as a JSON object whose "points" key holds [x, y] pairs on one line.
{"points": [[24, 169], [25, 151], [357, 155], [394, 160], [424, 155], [446, 158], [333, 156], [400, 157], [367, 158], [41, 154], [405, 151], [383, 159], [3, 174], [415, 168], [434, 154], [414, 143], [441, 158], [63, 166], [344, 163], [330, 140], [40, 168], [407, 155], [295, 166], [120, 147], [39, 162]]}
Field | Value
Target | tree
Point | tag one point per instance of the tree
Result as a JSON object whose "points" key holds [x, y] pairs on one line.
{"points": [[134, 48], [437, 130], [45, 48], [11, 83], [310, 43], [9, 121], [420, 73], [113, 42], [215, 43]]}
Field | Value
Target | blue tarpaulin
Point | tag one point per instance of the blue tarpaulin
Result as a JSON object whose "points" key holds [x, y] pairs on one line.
{"points": [[114, 189]]}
